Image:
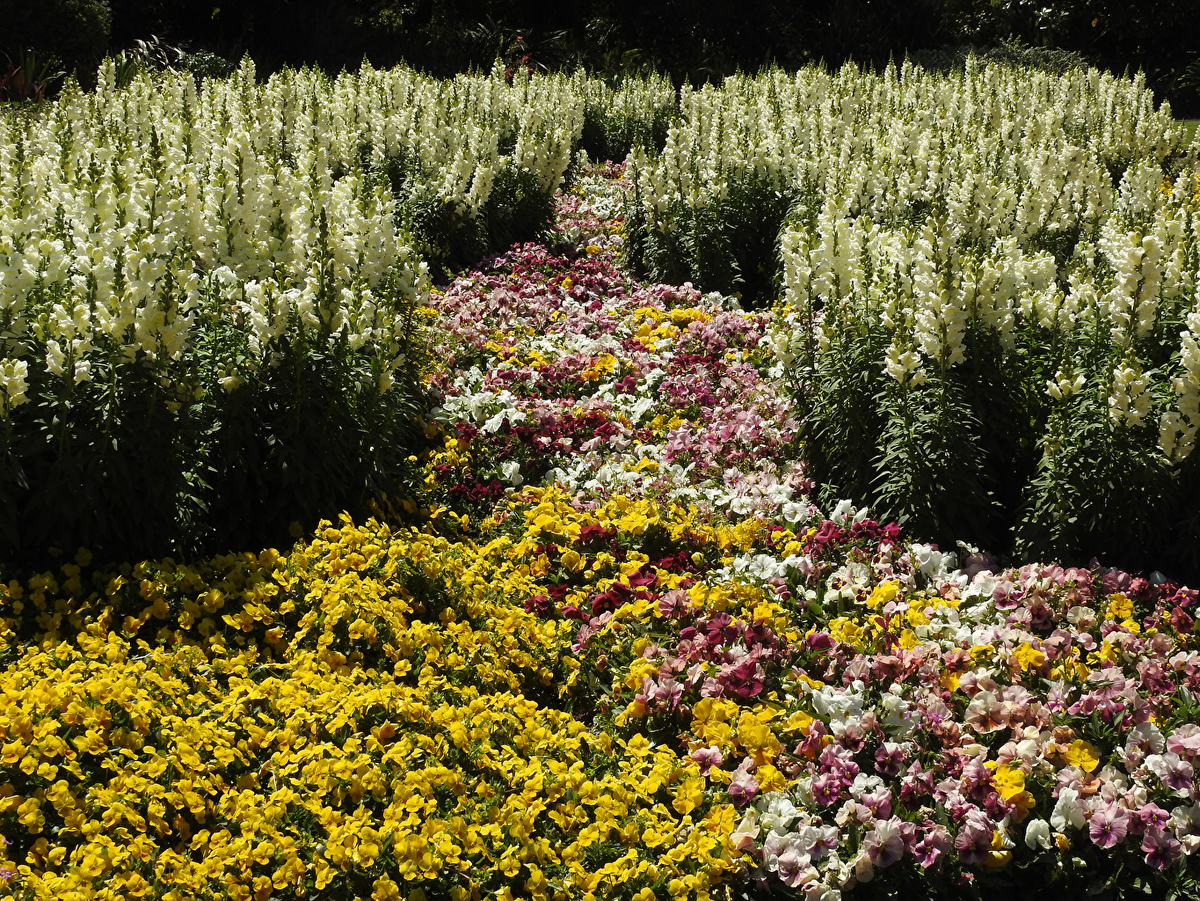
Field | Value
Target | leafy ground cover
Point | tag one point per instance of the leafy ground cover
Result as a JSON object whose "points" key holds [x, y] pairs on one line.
{"points": [[622, 657]]}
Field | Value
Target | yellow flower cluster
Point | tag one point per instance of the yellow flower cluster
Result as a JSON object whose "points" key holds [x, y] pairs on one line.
{"points": [[371, 715]]}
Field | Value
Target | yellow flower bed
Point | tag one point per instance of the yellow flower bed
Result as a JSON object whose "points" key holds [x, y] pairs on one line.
{"points": [[370, 716]]}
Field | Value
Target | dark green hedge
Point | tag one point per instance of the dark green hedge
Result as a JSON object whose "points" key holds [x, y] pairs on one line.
{"points": [[75, 32], [692, 41]]}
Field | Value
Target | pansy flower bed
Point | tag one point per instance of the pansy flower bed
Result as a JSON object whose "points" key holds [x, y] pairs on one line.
{"points": [[625, 657]]}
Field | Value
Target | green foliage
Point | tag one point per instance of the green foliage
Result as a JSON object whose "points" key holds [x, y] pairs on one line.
{"points": [[945, 459], [132, 468], [446, 236], [154, 54], [74, 32], [691, 42], [1108, 493], [28, 78], [1009, 51], [930, 465], [313, 434], [101, 464], [516, 210], [727, 244], [1155, 36], [626, 110], [980, 453], [610, 134], [206, 64]]}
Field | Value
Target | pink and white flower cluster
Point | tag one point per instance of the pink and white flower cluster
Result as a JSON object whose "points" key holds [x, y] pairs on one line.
{"points": [[926, 711]]}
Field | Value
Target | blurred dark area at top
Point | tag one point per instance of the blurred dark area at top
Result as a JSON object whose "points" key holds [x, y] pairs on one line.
{"points": [[692, 41]]}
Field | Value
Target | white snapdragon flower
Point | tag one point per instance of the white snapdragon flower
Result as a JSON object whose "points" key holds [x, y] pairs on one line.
{"points": [[1063, 385], [1129, 400], [15, 382], [1178, 427], [55, 358]]}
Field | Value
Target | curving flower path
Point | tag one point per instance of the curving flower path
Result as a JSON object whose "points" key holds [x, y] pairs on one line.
{"points": [[859, 700]]}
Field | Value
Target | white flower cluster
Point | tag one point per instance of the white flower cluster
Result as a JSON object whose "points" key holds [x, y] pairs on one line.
{"points": [[1129, 402], [129, 215], [1178, 427], [994, 202], [989, 143], [1064, 384], [13, 380], [978, 265]]}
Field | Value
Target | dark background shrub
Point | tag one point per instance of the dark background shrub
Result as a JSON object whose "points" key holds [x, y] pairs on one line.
{"points": [[310, 436], [75, 33], [730, 245], [610, 135], [694, 42]]}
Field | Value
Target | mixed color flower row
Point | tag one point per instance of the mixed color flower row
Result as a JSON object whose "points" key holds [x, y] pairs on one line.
{"points": [[624, 657]]}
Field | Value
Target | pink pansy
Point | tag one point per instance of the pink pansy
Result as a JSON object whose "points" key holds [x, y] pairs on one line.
{"points": [[885, 842], [826, 789], [1174, 772], [707, 758], [819, 840], [1108, 825], [747, 831], [1162, 849], [934, 843], [1185, 741], [743, 787], [986, 713], [974, 839], [879, 802], [1151, 816], [792, 867]]}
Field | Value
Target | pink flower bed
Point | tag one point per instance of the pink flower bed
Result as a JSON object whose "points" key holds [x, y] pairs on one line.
{"points": [[873, 707]]}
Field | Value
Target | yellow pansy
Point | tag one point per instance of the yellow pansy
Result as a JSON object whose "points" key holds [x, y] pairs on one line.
{"points": [[1119, 607], [1009, 781], [1028, 657], [1082, 754], [883, 593]]}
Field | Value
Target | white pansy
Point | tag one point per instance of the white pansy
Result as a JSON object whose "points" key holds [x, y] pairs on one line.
{"points": [[1069, 811], [1037, 834]]}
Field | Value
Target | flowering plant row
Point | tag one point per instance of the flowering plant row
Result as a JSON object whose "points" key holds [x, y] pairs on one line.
{"points": [[1001, 150], [1027, 336], [989, 286], [625, 657], [211, 296], [214, 292]]}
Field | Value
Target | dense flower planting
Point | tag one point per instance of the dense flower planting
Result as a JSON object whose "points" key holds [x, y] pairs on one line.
{"points": [[624, 657], [989, 279]]}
